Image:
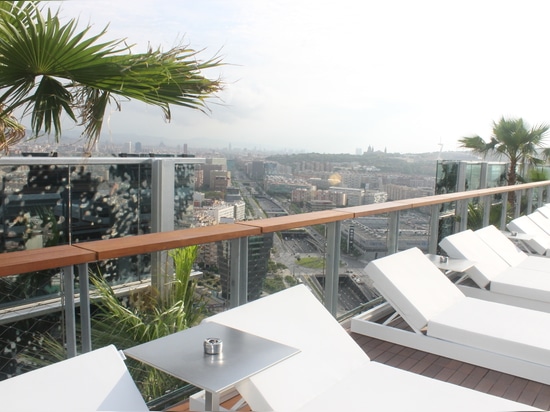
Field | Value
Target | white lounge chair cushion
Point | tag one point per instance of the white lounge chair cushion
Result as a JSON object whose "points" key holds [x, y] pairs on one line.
{"points": [[466, 245], [528, 284], [412, 284], [296, 318], [498, 328], [94, 381]]}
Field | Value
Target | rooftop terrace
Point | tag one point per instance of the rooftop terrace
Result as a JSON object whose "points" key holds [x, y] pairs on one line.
{"points": [[478, 378]]}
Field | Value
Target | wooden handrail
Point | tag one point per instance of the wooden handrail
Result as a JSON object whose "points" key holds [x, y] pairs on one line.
{"points": [[154, 242], [87, 252], [279, 223], [25, 261]]}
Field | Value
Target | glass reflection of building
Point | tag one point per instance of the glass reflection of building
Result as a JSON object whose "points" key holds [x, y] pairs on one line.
{"points": [[259, 249], [55, 201], [457, 176]]}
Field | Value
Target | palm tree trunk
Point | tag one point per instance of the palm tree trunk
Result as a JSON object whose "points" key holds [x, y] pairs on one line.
{"points": [[512, 179]]}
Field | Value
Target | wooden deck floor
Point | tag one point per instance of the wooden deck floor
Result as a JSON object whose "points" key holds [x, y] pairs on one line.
{"points": [[459, 373]]}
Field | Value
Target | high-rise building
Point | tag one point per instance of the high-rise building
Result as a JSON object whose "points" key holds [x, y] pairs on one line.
{"points": [[219, 180], [259, 248]]}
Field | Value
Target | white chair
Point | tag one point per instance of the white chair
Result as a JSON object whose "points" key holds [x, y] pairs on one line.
{"points": [[332, 372], [541, 220], [517, 279], [502, 337], [509, 252], [545, 210], [94, 381], [538, 241]]}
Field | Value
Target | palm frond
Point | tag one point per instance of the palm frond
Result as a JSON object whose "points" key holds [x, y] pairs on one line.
{"points": [[48, 68]]}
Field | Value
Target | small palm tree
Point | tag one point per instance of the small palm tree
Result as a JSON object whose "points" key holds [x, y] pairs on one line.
{"points": [[145, 318], [48, 68], [513, 140]]}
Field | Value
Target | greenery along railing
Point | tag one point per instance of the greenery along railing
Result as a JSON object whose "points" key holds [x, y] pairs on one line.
{"points": [[80, 255]]}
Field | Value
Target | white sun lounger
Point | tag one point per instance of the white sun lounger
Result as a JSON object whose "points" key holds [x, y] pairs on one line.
{"points": [[539, 240], [502, 337], [541, 220], [509, 252], [332, 372], [518, 279], [545, 210], [94, 381]]}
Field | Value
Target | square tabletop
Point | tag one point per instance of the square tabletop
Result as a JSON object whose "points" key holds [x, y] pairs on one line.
{"points": [[450, 264], [182, 355]]}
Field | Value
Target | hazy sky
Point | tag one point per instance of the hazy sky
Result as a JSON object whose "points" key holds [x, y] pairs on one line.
{"points": [[333, 76]]}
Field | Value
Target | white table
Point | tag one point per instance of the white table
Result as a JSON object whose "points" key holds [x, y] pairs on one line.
{"points": [[182, 355], [521, 240], [450, 265]]}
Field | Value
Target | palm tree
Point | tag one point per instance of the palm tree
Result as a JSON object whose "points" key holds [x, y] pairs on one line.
{"points": [[515, 141], [48, 68]]}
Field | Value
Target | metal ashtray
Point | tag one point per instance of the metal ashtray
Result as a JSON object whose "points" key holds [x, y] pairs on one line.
{"points": [[213, 346], [443, 259]]}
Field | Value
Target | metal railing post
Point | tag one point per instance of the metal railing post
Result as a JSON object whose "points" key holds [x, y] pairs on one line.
{"points": [[67, 299], [162, 217], [517, 204], [462, 214], [504, 211], [85, 318], [529, 195], [332, 266], [393, 232], [434, 229], [238, 281], [486, 210]]}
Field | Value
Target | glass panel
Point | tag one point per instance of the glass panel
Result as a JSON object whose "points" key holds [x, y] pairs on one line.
{"points": [[473, 176], [34, 207], [184, 187]]}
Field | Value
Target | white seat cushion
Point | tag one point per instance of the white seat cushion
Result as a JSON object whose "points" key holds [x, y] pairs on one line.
{"points": [[528, 284], [508, 330]]}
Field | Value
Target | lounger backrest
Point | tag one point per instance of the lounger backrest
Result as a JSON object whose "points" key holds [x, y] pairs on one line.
{"points": [[416, 289], [466, 245], [545, 210], [294, 317], [540, 241], [503, 246], [541, 221], [94, 381]]}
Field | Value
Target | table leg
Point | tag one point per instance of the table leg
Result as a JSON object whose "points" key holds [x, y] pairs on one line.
{"points": [[211, 401]]}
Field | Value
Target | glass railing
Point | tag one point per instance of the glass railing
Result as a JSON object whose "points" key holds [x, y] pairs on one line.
{"points": [[326, 250]]}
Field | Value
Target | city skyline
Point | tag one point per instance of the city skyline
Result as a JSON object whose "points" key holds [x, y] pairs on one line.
{"points": [[332, 77]]}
